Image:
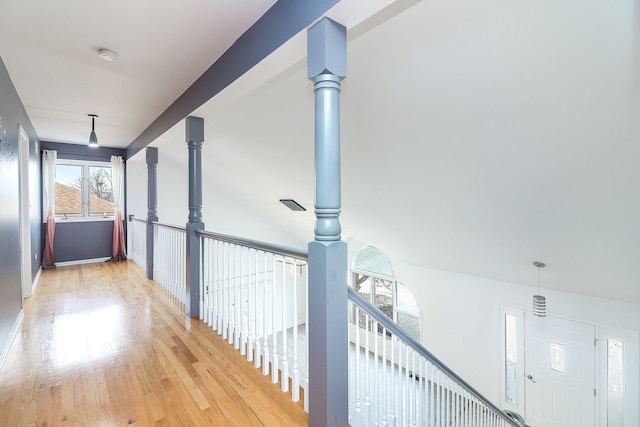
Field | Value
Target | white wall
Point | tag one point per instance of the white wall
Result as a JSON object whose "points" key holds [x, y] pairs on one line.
{"points": [[221, 214], [461, 319]]}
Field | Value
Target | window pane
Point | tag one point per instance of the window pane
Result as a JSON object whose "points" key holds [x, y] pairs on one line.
{"points": [[557, 357], [384, 296], [100, 193], [615, 404], [410, 324], [373, 260], [406, 301], [68, 190], [511, 391], [363, 286]]}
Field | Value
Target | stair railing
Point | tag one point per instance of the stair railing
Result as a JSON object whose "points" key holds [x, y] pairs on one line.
{"points": [[395, 381], [169, 259], [139, 241], [254, 295]]}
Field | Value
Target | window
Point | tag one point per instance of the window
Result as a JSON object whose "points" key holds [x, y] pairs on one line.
{"points": [[373, 279], [615, 386], [83, 190], [511, 359]]}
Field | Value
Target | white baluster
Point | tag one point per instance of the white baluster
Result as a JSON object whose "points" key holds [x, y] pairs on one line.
{"points": [[295, 380], [274, 333], [265, 339], [285, 310]]}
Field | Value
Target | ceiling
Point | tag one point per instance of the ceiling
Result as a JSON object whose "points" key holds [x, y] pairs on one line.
{"points": [[477, 137]]}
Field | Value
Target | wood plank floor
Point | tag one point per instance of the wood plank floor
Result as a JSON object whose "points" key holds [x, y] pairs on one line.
{"points": [[102, 346]]}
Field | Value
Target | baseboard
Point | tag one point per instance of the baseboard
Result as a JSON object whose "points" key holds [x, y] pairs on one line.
{"points": [[82, 261], [12, 337], [34, 285]]}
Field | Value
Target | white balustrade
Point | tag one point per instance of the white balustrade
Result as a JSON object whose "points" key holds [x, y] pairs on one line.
{"points": [[394, 381], [139, 242], [254, 296], [169, 259]]}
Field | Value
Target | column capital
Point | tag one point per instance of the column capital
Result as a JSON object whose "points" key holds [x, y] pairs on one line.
{"points": [[152, 156], [194, 129], [327, 49]]}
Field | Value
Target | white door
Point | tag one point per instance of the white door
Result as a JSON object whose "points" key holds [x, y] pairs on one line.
{"points": [[560, 372], [25, 214]]}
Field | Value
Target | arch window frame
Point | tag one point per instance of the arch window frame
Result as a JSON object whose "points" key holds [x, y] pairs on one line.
{"points": [[361, 275]]}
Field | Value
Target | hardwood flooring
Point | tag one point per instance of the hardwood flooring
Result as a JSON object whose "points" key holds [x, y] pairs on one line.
{"points": [[100, 345]]}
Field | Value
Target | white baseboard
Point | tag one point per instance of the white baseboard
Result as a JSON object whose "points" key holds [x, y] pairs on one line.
{"points": [[82, 261], [12, 337], [34, 285]]}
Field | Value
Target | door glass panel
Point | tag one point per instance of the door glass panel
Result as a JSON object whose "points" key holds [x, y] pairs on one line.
{"points": [[615, 386], [557, 357], [68, 191], [510, 358]]}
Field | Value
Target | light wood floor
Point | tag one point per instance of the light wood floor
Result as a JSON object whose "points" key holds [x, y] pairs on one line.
{"points": [[102, 346]]}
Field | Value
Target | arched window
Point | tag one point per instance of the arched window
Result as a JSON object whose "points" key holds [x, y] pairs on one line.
{"points": [[373, 278]]}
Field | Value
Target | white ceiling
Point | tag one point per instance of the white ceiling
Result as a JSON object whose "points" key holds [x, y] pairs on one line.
{"points": [[477, 136]]}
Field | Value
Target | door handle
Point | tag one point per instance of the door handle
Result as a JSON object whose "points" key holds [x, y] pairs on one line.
{"points": [[531, 378]]}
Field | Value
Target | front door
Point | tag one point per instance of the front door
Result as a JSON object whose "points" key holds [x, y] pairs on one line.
{"points": [[560, 372]]}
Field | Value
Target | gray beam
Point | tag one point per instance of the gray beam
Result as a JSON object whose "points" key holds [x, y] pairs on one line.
{"points": [[194, 137], [285, 19], [152, 203], [328, 323]]}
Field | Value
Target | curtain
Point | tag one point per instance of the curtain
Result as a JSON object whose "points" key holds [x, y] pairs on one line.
{"points": [[49, 158], [118, 251]]}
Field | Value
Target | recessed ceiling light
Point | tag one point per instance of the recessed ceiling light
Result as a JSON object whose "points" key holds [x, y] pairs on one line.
{"points": [[108, 55]]}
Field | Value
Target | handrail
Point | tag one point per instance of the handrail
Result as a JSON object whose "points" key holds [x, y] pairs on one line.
{"points": [[390, 325], [255, 244], [175, 227], [133, 218]]}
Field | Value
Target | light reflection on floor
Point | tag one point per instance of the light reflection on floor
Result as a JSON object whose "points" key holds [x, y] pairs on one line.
{"points": [[86, 336]]}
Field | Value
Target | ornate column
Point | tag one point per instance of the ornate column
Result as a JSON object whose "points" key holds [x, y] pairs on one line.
{"points": [[328, 327], [152, 203], [194, 137]]}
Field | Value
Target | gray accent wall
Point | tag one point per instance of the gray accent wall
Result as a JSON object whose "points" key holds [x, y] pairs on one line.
{"points": [[75, 241], [13, 114]]}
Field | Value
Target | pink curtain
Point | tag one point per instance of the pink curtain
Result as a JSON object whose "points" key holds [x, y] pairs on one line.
{"points": [[47, 257], [118, 249], [49, 158]]}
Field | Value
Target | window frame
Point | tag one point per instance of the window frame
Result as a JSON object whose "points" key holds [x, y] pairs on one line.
{"points": [[85, 165], [355, 272]]}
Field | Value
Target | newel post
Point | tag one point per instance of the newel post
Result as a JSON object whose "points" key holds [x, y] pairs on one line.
{"points": [[194, 137], [328, 327], [152, 203]]}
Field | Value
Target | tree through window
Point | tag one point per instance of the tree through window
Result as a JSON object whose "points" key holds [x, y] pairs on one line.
{"points": [[83, 189], [373, 279]]}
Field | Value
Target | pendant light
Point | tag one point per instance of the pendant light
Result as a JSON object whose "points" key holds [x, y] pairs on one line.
{"points": [[539, 302], [93, 139]]}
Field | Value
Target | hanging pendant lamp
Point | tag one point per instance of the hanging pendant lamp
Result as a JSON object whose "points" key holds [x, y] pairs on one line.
{"points": [[539, 301], [93, 139]]}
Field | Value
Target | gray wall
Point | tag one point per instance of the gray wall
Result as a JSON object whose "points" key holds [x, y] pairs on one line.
{"points": [[13, 113]]}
